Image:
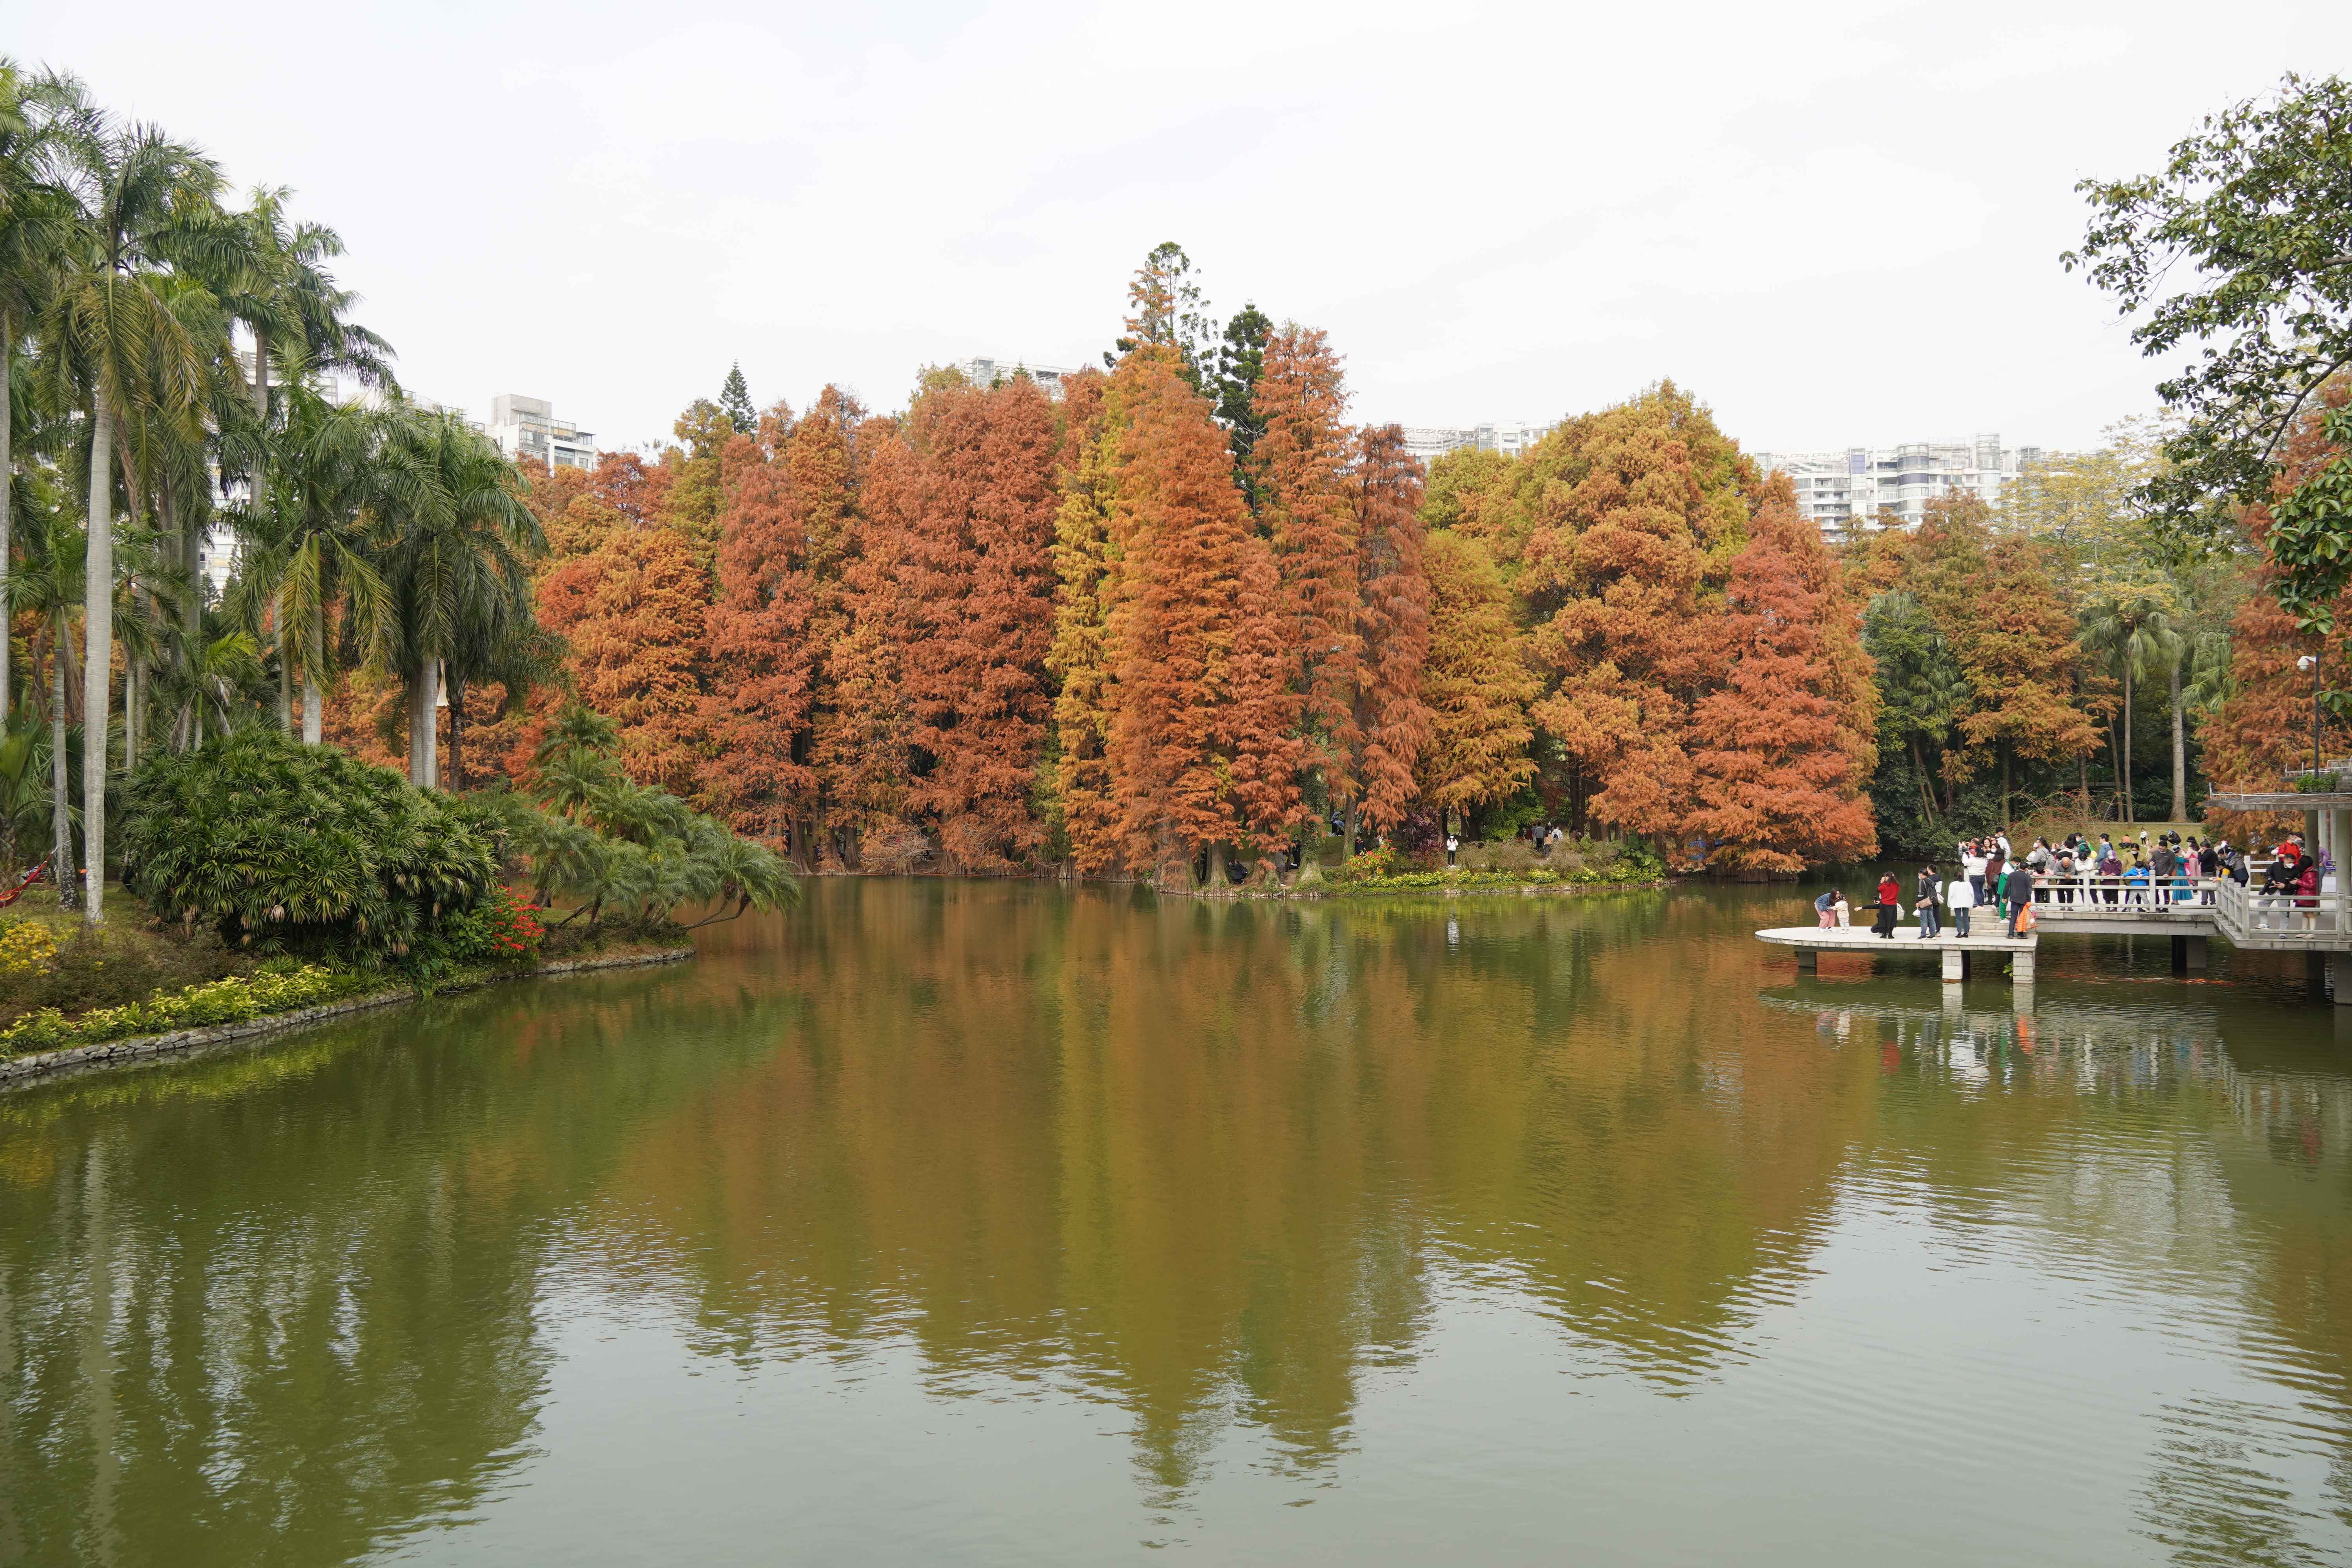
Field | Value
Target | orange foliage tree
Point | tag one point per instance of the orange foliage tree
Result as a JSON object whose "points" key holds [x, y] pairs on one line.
{"points": [[1193, 589], [1083, 803], [633, 610], [760, 660], [981, 572], [1389, 725], [2263, 727], [1782, 750], [1641, 509], [1476, 683], [1299, 474]]}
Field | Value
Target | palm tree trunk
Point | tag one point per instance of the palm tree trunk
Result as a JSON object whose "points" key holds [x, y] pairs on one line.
{"points": [[2179, 747], [192, 550], [314, 709], [423, 718], [61, 862], [2122, 776], [97, 653], [285, 684], [261, 373], [8, 479], [457, 737], [129, 716]]}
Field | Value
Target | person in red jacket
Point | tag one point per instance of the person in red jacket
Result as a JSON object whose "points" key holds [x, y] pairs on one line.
{"points": [[1890, 906]]}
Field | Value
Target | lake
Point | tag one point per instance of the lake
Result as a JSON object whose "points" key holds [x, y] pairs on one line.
{"points": [[1000, 1223]]}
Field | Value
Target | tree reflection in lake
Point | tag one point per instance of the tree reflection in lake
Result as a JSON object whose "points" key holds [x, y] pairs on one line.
{"points": [[1267, 1180]]}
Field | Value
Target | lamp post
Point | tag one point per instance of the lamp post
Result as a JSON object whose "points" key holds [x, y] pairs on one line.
{"points": [[2310, 661]]}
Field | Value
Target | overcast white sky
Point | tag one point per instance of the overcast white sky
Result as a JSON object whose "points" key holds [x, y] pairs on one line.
{"points": [[1838, 223]]}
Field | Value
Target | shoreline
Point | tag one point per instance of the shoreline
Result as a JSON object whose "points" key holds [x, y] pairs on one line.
{"points": [[76, 1060], [1322, 891]]}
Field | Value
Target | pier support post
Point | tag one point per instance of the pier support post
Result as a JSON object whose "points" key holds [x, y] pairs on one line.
{"points": [[2021, 967], [1956, 964], [2189, 955], [2315, 974], [2340, 978], [1808, 961]]}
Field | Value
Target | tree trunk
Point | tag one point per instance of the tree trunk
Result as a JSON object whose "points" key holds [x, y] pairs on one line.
{"points": [[2006, 819], [423, 720], [7, 482], [314, 712], [1347, 833], [285, 682], [1216, 878], [261, 373], [129, 716], [2179, 747], [61, 862], [457, 737], [1926, 792], [2123, 777], [192, 549], [97, 653]]}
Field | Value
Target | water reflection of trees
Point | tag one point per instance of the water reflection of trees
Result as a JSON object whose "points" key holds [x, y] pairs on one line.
{"points": [[2200, 1148], [278, 1307], [1212, 1164]]}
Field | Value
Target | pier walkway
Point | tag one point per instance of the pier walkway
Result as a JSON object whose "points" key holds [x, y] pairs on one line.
{"points": [[1959, 953], [2189, 910]]}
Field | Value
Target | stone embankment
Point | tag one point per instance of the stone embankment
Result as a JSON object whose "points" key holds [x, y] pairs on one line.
{"points": [[117, 1053]]}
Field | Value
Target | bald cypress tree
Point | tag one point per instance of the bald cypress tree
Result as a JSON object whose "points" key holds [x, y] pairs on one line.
{"points": [[1782, 749]]}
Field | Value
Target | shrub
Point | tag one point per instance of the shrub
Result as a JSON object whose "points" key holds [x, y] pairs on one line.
{"points": [[1501, 855], [272, 989], [502, 930], [27, 948], [894, 848], [606, 842], [302, 848]]}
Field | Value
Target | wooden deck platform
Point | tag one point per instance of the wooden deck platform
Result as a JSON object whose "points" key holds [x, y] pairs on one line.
{"points": [[1957, 952]]}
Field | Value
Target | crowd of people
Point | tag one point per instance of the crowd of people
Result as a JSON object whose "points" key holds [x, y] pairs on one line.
{"points": [[2168, 869]]}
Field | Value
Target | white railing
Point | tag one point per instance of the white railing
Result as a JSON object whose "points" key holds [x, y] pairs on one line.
{"points": [[2086, 895], [2250, 914]]}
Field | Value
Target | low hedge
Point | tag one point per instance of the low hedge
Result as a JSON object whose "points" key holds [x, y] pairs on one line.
{"points": [[275, 989]]}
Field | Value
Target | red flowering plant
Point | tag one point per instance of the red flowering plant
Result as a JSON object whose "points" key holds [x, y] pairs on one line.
{"points": [[504, 929]]}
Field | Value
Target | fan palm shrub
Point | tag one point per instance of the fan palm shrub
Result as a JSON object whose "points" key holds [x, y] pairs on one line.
{"points": [[301, 849]]}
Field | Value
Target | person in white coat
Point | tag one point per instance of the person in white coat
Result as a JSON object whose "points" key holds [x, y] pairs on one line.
{"points": [[1962, 896]]}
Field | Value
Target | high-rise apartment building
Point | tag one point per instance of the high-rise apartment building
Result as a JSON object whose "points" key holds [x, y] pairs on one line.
{"points": [[986, 373], [1509, 437], [528, 427], [1860, 485]]}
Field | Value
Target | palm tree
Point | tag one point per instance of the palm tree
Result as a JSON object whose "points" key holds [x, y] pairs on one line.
{"points": [[146, 203], [46, 581], [308, 526], [452, 539], [288, 300], [217, 671], [25, 805], [2133, 627], [35, 223]]}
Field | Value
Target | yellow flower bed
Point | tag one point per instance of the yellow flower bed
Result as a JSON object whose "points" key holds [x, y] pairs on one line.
{"points": [[27, 948], [229, 1001]]}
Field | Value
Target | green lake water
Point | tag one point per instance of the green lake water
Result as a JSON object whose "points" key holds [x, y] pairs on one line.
{"points": [[965, 1222]]}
